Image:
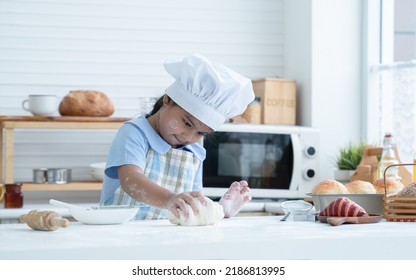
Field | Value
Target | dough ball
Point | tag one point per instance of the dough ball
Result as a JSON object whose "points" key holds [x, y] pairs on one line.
{"points": [[208, 214]]}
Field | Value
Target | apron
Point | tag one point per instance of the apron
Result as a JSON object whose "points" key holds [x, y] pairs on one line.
{"points": [[174, 171]]}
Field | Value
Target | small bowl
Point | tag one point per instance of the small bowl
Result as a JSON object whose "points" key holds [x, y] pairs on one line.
{"points": [[97, 170], [296, 207]]}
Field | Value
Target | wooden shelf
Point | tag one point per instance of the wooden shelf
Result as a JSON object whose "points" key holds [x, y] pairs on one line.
{"points": [[8, 124], [73, 186]]}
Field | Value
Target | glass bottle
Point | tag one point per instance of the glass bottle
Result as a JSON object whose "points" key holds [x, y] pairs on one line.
{"points": [[13, 198], [414, 167], [388, 158]]}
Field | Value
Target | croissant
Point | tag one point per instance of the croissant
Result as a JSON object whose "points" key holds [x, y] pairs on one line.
{"points": [[343, 207]]}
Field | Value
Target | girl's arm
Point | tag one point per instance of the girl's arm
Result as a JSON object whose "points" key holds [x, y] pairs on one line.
{"points": [[141, 188]]}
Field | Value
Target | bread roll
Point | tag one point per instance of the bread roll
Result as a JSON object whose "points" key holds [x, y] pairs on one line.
{"points": [[408, 191], [393, 186], [86, 103], [359, 186], [329, 187]]}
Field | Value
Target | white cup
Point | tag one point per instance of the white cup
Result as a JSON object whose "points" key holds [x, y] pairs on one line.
{"points": [[40, 105]]}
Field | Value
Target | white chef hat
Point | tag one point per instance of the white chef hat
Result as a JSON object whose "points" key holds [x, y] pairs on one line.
{"points": [[210, 92]]}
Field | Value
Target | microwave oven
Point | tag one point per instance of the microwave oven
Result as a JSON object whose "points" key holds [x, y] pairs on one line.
{"points": [[278, 162]]}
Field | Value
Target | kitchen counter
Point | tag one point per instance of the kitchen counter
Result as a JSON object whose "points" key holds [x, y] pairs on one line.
{"points": [[11, 215], [254, 237]]}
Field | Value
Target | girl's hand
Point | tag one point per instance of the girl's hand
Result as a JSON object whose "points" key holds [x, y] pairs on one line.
{"points": [[235, 197], [179, 202]]}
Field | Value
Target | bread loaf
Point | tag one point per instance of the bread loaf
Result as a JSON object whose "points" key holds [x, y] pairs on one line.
{"points": [[408, 191], [343, 207], [392, 186], [360, 187], [86, 103], [329, 187]]}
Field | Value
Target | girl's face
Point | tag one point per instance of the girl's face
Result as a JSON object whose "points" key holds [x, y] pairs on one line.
{"points": [[176, 126]]}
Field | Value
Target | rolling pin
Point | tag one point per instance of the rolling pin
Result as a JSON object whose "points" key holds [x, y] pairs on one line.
{"points": [[44, 220]]}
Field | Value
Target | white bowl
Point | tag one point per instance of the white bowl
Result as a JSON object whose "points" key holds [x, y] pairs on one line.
{"points": [[299, 207], [99, 215], [372, 203], [104, 215], [297, 210], [97, 170]]}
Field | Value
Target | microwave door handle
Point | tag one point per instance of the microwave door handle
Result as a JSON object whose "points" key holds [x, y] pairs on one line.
{"points": [[297, 158]]}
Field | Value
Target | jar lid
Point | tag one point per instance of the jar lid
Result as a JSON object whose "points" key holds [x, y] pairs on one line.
{"points": [[13, 185]]}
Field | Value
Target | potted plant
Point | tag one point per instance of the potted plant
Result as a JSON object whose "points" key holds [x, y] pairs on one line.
{"points": [[348, 159]]}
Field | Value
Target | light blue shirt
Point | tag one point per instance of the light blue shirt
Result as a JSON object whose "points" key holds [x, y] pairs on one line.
{"points": [[130, 146]]}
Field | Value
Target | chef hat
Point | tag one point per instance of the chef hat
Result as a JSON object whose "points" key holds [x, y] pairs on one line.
{"points": [[210, 92]]}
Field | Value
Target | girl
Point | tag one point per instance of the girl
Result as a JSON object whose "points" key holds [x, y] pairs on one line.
{"points": [[155, 161]]}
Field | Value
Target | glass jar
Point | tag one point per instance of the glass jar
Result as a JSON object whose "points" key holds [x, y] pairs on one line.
{"points": [[13, 198], [388, 157]]}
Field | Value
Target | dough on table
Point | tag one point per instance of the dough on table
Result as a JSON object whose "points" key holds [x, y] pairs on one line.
{"points": [[208, 214]]}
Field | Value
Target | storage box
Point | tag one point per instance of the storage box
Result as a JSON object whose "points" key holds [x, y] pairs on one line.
{"points": [[278, 100]]}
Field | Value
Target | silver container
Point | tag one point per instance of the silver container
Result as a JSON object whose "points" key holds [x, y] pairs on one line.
{"points": [[372, 203], [51, 175]]}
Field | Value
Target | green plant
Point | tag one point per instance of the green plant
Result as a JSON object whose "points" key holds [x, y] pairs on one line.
{"points": [[349, 157]]}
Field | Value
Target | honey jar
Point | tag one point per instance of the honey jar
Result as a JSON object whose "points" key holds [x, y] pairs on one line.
{"points": [[13, 197]]}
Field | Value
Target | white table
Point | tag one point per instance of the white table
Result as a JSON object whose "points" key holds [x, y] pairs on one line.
{"points": [[260, 237], [11, 215]]}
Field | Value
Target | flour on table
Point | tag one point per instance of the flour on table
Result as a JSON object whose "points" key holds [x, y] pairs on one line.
{"points": [[208, 214]]}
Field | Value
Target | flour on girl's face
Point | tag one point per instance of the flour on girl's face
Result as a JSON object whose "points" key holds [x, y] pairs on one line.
{"points": [[208, 214], [173, 124]]}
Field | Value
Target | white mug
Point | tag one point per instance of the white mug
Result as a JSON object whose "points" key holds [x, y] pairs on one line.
{"points": [[40, 105]]}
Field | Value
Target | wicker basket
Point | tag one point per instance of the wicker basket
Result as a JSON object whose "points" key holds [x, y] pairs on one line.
{"points": [[399, 209]]}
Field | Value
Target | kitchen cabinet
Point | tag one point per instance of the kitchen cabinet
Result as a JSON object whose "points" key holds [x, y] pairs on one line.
{"points": [[8, 125]]}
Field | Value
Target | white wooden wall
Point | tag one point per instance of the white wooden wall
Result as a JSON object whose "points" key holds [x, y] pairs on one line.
{"points": [[118, 47]]}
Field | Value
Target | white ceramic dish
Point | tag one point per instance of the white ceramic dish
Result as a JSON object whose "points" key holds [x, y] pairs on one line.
{"points": [[97, 170], [372, 203], [102, 215]]}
